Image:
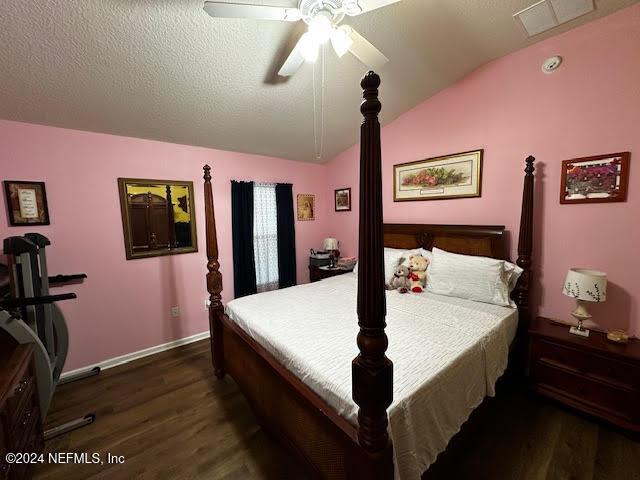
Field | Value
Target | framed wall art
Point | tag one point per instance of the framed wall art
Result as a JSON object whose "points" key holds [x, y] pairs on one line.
{"points": [[450, 176], [157, 217], [26, 203], [602, 178], [306, 207], [343, 199]]}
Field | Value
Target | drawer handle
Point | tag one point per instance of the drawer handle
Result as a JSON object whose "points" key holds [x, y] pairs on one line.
{"points": [[22, 385], [27, 417]]}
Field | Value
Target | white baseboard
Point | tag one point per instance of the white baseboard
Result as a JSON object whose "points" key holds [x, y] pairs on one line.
{"points": [[129, 357]]}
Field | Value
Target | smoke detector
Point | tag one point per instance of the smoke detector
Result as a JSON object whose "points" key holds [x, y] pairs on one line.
{"points": [[551, 64]]}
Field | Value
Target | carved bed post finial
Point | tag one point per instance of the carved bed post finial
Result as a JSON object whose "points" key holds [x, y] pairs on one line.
{"points": [[372, 370], [214, 278], [525, 245]]}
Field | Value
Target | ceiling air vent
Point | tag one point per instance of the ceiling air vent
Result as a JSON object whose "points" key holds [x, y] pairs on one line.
{"points": [[546, 14], [569, 9]]}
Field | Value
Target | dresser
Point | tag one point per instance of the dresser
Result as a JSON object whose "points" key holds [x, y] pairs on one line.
{"points": [[590, 374], [20, 422]]}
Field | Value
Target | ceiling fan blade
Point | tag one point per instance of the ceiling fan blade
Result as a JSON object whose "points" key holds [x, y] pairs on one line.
{"points": [[243, 10], [365, 52], [363, 6], [294, 61]]}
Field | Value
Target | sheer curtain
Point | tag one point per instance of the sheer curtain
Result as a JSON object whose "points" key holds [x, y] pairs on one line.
{"points": [[265, 236]]}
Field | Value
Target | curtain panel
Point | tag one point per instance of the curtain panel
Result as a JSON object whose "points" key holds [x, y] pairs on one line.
{"points": [[244, 267], [286, 235]]}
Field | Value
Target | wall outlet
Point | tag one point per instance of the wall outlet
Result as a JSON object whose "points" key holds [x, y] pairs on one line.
{"points": [[175, 312], [207, 304]]}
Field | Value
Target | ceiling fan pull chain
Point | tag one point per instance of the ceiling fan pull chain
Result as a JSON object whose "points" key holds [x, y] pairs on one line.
{"points": [[318, 138], [322, 108], [315, 115]]}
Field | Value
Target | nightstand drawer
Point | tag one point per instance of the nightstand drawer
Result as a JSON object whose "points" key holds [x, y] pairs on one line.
{"points": [[597, 367], [588, 393]]}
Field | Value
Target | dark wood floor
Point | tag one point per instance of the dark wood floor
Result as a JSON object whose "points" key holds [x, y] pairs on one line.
{"points": [[170, 419]]}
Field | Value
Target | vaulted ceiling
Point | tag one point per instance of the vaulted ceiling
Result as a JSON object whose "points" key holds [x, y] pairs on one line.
{"points": [[165, 70]]}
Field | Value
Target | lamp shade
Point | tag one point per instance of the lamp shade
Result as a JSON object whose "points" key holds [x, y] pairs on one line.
{"points": [[330, 244], [585, 284]]}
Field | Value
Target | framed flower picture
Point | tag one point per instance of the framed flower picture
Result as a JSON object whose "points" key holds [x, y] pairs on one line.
{"points": [[602, 178], [306, 207], [451, 176], [26, 203], [343, 199]]}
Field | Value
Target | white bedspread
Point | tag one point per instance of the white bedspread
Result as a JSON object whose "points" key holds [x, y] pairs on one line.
{"points": [[447, 355]]}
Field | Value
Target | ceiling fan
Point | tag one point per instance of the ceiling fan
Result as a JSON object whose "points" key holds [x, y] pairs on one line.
{"points": [[323, 18]]}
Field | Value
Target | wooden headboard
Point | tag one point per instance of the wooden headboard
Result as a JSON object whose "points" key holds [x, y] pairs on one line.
{"points": [[480, 240]]}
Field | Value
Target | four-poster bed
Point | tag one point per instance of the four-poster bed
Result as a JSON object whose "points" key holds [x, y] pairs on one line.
{"points": [[330, 444]]}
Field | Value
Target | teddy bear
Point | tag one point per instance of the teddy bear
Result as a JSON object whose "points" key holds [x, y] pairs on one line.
{"points": [[400, 280], [418, 273]]}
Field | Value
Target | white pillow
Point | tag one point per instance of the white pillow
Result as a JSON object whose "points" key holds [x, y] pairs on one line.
{"points": [[392, 257], [481, 279]]}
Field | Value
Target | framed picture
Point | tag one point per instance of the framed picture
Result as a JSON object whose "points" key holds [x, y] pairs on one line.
{"points": [[306, 207], [343, 199], [451, 176], [603, 178], [26, 203]]}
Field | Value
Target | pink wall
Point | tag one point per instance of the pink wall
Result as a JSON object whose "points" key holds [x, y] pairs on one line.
{"points": [[590, 106], [508, 107], [124, 305]]}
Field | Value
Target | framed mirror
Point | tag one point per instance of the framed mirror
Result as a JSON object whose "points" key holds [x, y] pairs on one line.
{"points": [[157, 217]]}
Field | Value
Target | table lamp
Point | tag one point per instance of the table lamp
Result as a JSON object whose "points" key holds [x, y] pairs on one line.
{"points": [[331, 245], [585, 286]]}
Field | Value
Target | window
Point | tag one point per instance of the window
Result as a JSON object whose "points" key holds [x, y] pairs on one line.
{"points": [[265, 236]]}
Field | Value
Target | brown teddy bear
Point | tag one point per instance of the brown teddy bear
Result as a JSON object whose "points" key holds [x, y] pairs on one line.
{"points": [[418, 272]]}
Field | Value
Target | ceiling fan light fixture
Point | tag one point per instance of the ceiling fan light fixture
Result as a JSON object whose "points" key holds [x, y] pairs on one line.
{"points": [[323, 18], [321, 28], [309, 48], [341, 40]]}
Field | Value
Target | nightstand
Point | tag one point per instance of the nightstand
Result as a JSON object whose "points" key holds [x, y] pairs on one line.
{"points": [[319, 273], [590, 374]]}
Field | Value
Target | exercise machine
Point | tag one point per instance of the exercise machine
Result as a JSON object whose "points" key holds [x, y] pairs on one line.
{"points": [[29, 313]]}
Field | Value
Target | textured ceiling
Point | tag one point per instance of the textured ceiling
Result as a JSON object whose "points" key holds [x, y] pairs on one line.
{"points": [[165, 70]]}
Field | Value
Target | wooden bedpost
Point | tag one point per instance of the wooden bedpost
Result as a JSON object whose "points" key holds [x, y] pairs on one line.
{"points": [[372, 371], [214, 278], [525, 246]]}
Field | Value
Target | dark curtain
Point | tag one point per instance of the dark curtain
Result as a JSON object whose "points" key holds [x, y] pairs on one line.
{"points": [[286, 235], [244, 265]]}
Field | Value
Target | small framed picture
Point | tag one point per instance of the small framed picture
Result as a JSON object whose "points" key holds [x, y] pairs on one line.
{"points": [[598, 179], [343, 199], [26, 203], [451, 176], [306, 207]]}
